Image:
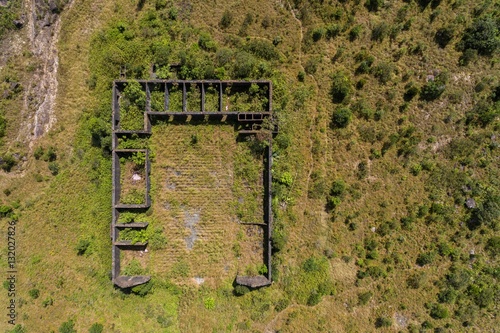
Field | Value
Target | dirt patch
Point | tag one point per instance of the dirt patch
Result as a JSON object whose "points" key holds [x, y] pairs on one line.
{"points": [[191, 219]]}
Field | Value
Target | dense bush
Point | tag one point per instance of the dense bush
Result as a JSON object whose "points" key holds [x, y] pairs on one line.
{"points": [[7, 162], [374, 5], [483, 35], [383, 322], [411, 90], [206, 42], [143, 289], [318, 33], [355, 32], [425, 258], [486, 213], [493, 246], [226, 20], [241, 290], [341, 117], [341, 87], [447, 295], [262, 49], [82, 246], [432, 89], [483, 113], [5, 210], [444, 35], [438, 311]]}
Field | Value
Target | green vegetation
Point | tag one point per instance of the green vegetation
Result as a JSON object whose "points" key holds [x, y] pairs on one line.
{"points": [[385, 168]]}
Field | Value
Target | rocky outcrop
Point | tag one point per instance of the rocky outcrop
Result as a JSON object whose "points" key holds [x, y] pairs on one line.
{"points": [[43, 26]]}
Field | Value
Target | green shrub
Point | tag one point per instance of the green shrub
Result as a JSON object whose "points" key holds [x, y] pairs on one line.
{"points": [[383, 72], [311, 65], [338, 188], [135, 94], [467, 56], [241, 290], [486, 213], [483, 35], [447, 295], [7, 162], [364, 297], [415, 281], [355, 32], [209, 303], [246, 23], [262, 49], [3, 126], [341, 87], [67, 327], [415, 169], [333, 31], [282, 304], [383, 322], [341, 117], [363, 110], [362, 170], [34, 293], [54, 168], [143, 289], [483, 113], [226, 20], [432, 90], [96, 328], [5, 210], [82, 247], [411, 90], [318, 33], [444, 35], [375, 272], [458, 277], [50, 155], [374, 5], [301, 76], [48, 301], [38, 153], [18, 328], [425, 258], [380, 31], [244, 65], [493, 245], [206, 42], [438, 311], [314, 298]]}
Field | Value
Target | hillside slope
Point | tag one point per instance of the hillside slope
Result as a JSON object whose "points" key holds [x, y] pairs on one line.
{"points": [[386, 193]]}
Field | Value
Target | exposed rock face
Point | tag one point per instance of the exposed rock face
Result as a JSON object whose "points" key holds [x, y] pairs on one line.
{"points": [[43, 27]]}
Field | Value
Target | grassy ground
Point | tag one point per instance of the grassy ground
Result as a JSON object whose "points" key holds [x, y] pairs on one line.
{"points": [[194, 178], [372, 232]]}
